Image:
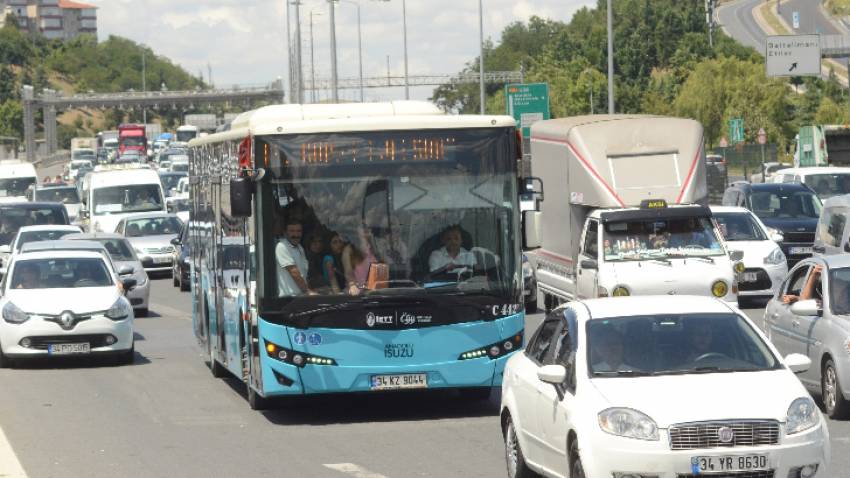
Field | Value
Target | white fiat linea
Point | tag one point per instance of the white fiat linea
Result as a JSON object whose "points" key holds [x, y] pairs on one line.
{"points": [[59, 303], [661, 387]]}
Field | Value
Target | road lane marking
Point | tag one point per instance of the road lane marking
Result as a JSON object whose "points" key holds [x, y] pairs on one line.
{"points": [[10, 467], [353, 470]]}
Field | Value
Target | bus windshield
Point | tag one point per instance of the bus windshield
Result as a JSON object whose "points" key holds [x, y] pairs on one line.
{"points": [[402, 214]]}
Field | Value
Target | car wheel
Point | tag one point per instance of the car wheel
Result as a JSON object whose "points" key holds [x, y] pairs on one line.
{"points": [[576, 468], [836, 405], [255, 401], [184, 285], [515, 460], [531, 306], [143, 312], [126, 358]]}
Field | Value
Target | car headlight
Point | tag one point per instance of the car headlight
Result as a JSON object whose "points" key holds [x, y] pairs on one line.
{"points": [[719, 288], [120, 310], [802, 415], [628, 423], [13, 314], [776, 257], [620, 291]]}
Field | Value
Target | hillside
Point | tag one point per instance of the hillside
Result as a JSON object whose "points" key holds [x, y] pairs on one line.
{"points": [[664, 64], [81, 65]]}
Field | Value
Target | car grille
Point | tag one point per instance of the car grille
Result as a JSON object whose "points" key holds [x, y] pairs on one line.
{"points": [[41, 342], [762, 281], [693, 436], [799, 237], [738, 474], [159, 250]]}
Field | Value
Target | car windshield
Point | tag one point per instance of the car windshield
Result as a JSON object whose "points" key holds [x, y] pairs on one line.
{"points": [[81, 154], [739, 226], [675, 344], [170, 181], [79, 163], [133, 140], [648, 239], [67, 195], [785, 204], [839, 291], [60, 274], [828, 185], [119, 249], [181, 166], [38, 236], [13, 187], [154, 226], [12, 219], [128, 198]]}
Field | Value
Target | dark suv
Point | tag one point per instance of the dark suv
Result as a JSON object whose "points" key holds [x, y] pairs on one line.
{"points": [[789, 208]]}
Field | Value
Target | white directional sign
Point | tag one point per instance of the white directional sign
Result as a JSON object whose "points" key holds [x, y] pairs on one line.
{"points": [[795, 19], [793, 55]]}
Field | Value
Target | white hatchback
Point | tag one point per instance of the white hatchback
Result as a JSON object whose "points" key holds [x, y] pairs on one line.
{"points": [[86, 314], [765, 266], [658, 386]]}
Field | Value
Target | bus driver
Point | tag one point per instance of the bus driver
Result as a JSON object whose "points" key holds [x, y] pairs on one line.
{"points": [[452, 257]]}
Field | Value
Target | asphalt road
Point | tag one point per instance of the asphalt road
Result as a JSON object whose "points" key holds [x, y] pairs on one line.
{"points": [[812, 18], [736, 19], [167, 416]]}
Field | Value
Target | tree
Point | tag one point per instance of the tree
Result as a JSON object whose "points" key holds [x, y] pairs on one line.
{"points": [[830, 112], [8, 84], [11, 119]]}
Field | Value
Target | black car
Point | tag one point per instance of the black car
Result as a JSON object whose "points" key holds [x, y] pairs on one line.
{"points": [[14, 216], [529, 289], [791, 209], [180, 259]]}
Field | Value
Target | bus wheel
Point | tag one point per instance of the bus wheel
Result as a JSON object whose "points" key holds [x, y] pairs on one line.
{"points": [[255, 401]]}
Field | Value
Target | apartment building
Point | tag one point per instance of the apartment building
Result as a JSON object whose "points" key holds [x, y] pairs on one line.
{"points": [[54, 19]]}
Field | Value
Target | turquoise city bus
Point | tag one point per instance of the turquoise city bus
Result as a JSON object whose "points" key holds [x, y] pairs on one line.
{"points": [[409, 222]]}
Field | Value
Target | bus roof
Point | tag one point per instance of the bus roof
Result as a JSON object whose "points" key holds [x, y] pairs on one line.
{"points": [[317, 118], [122, 177]]}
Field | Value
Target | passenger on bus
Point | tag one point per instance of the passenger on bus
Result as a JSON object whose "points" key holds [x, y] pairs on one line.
{"points": [[452, 257], [292, 266], [332, 269], [315, 254], [356, 260]]}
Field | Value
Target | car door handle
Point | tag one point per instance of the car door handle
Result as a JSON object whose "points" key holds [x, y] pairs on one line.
{"points": [[795, 323]]}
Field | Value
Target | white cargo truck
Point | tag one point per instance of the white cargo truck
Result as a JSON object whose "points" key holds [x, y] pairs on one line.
{"points": [[624, 210]]}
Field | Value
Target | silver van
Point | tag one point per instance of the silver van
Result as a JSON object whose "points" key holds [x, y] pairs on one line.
{"points": [[832, 235]]}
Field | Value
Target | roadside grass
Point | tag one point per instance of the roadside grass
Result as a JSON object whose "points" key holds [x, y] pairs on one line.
{"points": [[838, 7], [768, 12]]}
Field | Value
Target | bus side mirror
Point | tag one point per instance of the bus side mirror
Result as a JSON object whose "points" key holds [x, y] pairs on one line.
{"points": [[533, 186], [531, 229], [241, 190]]}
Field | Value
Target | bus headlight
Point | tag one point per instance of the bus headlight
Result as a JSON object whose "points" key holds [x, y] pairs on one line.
{"points": [[719, 289], [620, 291], [494, 351], [296, 357]]}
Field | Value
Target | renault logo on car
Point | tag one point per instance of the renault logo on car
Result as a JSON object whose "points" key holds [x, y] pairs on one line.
{"points": [[66, 320], [725, 435]]}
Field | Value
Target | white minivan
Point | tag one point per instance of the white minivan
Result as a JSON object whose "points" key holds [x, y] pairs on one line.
{"points": [[111, 195], [16, 177]]}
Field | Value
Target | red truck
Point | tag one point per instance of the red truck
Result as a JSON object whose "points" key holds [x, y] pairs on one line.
{"points": [[131, 137]]}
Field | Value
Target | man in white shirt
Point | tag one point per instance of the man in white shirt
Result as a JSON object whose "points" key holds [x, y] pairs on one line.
{"points": [[451, 258], [292, 262]]}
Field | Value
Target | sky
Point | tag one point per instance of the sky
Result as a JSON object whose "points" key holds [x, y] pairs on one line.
{"points": [[244, 41]]}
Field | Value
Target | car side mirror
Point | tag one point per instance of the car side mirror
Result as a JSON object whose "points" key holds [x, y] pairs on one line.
{"points": [[125, 270], [806, 308], [777, 237], [129, 283], [797, 363], [531, 229], [175, 241], [554, 374], [736, 255], [589, 264]]}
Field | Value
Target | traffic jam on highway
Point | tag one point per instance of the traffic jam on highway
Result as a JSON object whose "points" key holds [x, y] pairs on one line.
{"points": [[319, 263]]}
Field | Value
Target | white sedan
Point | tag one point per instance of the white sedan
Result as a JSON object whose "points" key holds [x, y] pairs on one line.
{"points": [[765, 266], [658, 386], [86, 314]]}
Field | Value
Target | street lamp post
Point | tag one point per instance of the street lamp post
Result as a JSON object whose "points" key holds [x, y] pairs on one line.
{"points": [[359, 45], [298, 64], [288, 51], [312, 61], [334, 85], [610, 58], [480, 54], [404, 28]]}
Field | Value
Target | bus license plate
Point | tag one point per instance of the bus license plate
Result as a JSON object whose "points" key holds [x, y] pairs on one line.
{"points": [[723, 464], [65, 349], [393, 382]]}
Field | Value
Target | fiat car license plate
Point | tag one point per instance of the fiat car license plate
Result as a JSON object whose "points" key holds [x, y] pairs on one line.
{"points": [[800, 250], [392, 382], [65, 349], [725, 464], [161, 260], [750, 277]]}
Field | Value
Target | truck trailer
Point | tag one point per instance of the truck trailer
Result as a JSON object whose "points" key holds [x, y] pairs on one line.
{"points": [[624, 211]]}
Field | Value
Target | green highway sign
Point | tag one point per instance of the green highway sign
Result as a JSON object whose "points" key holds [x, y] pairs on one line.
{"points": [[736, 130], [527, 103]]}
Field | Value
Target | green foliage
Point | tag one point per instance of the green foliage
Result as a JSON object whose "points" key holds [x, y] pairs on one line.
{"points": [[15, 46], [829, 112], [11, 118]]}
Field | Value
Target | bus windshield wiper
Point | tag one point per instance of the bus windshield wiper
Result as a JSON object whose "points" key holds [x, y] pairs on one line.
{"points": [[622, 373]]}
